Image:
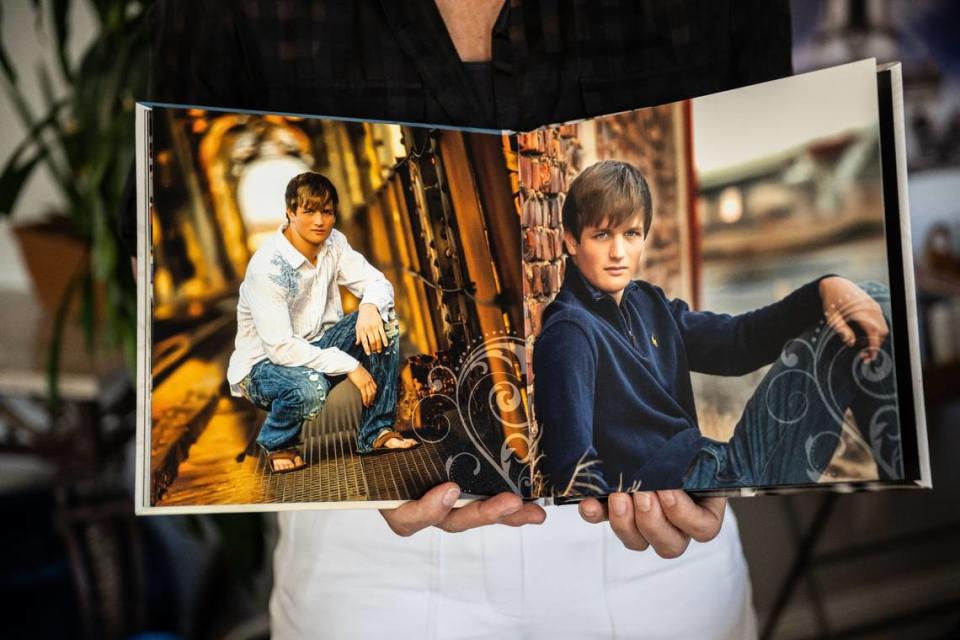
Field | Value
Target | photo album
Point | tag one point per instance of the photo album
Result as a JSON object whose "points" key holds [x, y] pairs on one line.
{"points": [[715, 295]]}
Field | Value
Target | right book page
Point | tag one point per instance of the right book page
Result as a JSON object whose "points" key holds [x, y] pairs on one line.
{"points": [[715, 295]]}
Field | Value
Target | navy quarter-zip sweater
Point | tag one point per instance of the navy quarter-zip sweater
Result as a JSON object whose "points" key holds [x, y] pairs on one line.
{"points": [[612, 390]]}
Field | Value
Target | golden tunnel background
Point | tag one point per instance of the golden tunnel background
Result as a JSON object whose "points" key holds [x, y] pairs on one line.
{"points": [[435, 210]]}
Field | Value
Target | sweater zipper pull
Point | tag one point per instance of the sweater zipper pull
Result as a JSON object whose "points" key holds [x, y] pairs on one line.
{"points": [[626, 325]]}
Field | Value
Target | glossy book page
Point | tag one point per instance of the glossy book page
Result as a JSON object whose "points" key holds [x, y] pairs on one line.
{"points": [[720, 294], [331, 312]]}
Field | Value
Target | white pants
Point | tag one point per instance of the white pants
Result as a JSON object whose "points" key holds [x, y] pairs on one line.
{"points": [[344, 574]]}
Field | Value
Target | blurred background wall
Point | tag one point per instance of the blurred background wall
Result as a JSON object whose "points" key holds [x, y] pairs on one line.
{"points": [[883, 565]]}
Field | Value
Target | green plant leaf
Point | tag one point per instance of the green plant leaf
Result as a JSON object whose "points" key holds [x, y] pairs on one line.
{"points": [[9, 72], [12, 181], [16, 171], [61, 26], [86, 141], [36, 129]]}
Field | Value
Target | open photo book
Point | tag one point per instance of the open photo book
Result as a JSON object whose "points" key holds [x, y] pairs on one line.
{"points": [[714, 295]]}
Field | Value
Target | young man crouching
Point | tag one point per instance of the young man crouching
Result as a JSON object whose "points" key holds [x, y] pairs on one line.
{"points": [[293, 340]]}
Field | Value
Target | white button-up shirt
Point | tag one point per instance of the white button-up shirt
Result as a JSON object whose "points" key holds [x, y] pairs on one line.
{"points": [[286, 303]]}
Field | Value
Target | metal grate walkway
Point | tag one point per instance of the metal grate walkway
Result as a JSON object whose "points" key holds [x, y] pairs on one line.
{"points": [[211, 473]]}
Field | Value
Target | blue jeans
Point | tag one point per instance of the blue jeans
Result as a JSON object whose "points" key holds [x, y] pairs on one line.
{"points": [[791, 426], [292, 395]]}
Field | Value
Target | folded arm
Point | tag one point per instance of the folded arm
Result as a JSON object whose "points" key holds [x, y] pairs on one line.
{"points": [[721, 344]]}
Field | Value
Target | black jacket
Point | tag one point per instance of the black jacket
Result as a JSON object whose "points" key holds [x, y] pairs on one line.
{"points": [[553, 60]]}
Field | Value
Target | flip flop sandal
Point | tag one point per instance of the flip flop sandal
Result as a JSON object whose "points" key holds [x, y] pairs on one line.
{"points": [[379, 445], [291, 454]]}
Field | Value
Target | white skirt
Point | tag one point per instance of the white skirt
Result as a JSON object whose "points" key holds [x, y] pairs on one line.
{"points": [[344, 574]]}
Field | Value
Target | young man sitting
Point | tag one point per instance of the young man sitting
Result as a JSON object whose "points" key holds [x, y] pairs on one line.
{"points": [[612, 366], [293, 339]]}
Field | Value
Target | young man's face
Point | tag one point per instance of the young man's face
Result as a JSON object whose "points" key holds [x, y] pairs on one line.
{"points": [[609, 257], [313, 221]]}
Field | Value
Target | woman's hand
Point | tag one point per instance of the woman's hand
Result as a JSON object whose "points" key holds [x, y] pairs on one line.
{"points": [[435, 509], [665, 520]]}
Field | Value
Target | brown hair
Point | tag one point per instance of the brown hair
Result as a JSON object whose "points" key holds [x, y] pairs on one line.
{"points": [[610, 191], [310, 188]]}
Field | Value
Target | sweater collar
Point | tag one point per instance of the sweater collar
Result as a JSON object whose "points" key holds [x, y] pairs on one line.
{"points": [[583, 289]]}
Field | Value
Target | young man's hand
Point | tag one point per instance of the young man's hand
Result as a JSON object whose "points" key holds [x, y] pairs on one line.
{"points": [[844, 303], [363, 381], [370, 332], [664, 520], [436, 509]]}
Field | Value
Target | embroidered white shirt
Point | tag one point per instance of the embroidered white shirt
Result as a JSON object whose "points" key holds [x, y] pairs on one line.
{"points": [[286, 303]]}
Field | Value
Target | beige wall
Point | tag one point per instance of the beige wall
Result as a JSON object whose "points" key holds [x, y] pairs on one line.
{"points": [[26, 48]]}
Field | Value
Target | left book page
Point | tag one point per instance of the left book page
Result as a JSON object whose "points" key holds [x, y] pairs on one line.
{"points": [[255, 391]]}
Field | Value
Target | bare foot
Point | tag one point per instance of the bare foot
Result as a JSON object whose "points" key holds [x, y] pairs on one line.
{"points": [[285, 460], [399, 443], [283, 463]]}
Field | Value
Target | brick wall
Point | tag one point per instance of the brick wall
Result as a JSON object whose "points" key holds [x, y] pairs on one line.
{"points": [[547, 160]]}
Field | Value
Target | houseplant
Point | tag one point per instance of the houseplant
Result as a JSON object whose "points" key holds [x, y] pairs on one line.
{"points": [[84, 138]]}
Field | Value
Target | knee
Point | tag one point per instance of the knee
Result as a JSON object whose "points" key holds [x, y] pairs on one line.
{"points": [[875, 290], [392, 347], [308, 394], [393, 341], [391, 328], [349, 320], [880, 294]]}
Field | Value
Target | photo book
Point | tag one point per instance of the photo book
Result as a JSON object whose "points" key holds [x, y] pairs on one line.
{"points": [[714, 295]]}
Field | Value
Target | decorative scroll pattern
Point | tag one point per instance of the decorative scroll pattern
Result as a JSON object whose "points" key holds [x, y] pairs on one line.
{"points": [[809, 374], [486, 383]]}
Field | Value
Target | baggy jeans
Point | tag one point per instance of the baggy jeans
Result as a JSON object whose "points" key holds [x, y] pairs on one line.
{"points": [[791, 426], [292, 395]]}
